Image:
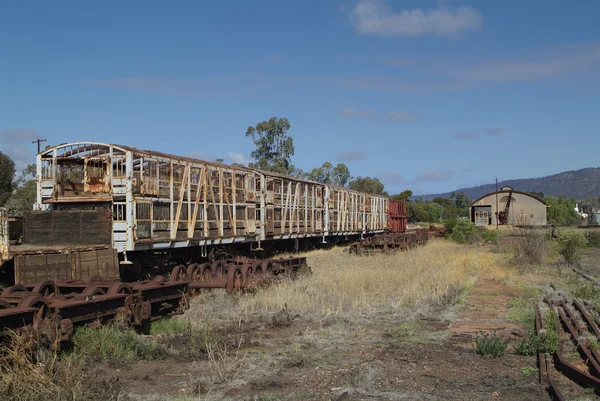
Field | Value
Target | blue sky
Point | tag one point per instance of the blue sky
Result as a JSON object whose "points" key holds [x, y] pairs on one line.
{"points": [[426, 95]]}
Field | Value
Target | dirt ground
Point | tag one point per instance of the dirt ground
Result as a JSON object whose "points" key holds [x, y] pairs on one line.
{"points": [[428, 358]]}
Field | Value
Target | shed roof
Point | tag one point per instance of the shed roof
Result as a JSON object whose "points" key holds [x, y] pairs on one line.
{"points": [[506, 191]]}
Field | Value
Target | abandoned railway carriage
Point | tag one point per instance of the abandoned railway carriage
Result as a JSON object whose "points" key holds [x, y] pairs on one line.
{"points": [[156, 209]]}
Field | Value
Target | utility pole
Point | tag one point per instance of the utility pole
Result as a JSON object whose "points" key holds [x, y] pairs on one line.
{"points": [[497, 211], [39, 141]]}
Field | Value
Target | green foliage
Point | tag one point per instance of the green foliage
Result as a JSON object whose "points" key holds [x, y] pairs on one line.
{"points": [[489, 235], [7, 174], [570, 245], [25, 194], [328, 174], [111, 343], [530, 345], [527, 370], [561, 211], [403, 196], [490, 345], [464, 232], [168, 326], [274, 148], [521, 311], [367, 184], [450, 223], [583, 289], [593, 239]]}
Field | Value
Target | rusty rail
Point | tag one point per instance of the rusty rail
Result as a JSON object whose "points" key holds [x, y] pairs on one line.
{"points": [[53, 309], [391, 241], [552, 389], [571, 324]]}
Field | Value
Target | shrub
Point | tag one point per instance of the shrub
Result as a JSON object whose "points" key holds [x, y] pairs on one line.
{"points": [[593, 239], [570, 245], [490, 345], [450, 223], [489, 235], [529, 246], [465, 232]]}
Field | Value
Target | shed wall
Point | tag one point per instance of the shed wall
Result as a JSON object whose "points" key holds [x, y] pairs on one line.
{"points": [[524, 210]]}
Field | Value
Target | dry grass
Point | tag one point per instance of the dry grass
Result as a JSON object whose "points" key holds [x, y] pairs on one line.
{"points": [[29, 372], [349, 285]]}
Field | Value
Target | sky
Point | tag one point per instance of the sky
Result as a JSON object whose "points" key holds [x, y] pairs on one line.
{"points": [[425, 95]]}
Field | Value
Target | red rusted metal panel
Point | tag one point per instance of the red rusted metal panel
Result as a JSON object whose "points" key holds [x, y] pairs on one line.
{"points": [[396, 216]]}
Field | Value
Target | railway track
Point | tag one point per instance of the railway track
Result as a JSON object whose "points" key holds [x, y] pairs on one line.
{"points": [[580, 323], [394, 241], [52, 309]]}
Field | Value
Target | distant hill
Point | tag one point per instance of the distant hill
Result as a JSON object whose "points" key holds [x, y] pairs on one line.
{"points": [[578, 184]]}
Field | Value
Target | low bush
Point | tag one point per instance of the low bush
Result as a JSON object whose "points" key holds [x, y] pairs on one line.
{"points": [[529, 246], [593, 239], [111, 343], [450, 223], [489, 235], [490, 345], [465, 232], [570, 245]]}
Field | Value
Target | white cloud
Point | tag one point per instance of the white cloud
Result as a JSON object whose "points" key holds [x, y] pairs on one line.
{"points": [[467, 135], [236, 157], [434, 175], [495, 131], [350, 156], [349, 112], [391, 178], [375, 17], [404, 116]]}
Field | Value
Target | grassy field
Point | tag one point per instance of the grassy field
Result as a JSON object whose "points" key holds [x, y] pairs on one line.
{"points": [[241, 345], [350, 286]]}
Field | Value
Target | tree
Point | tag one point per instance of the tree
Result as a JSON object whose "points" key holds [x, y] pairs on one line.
{"points": [[561, 211], [367, 184], [327, 174], [7, 174], [403, 196], [25, 194], [274, 148], [443, 202]]}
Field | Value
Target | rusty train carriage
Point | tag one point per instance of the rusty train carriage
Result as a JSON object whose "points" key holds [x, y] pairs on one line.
{"points": [[162, 201]]}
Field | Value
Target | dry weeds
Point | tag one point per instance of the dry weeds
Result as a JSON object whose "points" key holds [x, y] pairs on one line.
{"points": [[348, 286]]}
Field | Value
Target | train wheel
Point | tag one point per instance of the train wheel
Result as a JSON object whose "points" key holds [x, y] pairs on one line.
{"points": [[119, 288], [179, 273], [13, 289], [38, 302], [194, 272], [218, 269], [46, 289], [247, 274], [207, 272], [4, 305], [93, 291], [234, 278]]}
